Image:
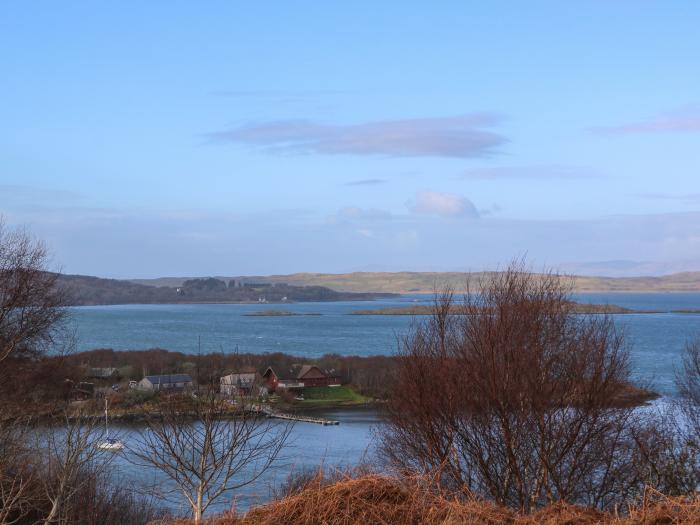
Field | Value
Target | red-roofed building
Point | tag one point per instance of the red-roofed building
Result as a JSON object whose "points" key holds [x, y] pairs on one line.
{"points": [[300, 376]]}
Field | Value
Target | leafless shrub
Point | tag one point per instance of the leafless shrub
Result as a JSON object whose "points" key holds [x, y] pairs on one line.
{"points": [[516, 399], [17, 479], [665, 455], [668, 446], [688, 385]]}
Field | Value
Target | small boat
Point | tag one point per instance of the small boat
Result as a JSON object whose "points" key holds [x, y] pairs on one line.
{"points": [[111, 444], [108, 443]]}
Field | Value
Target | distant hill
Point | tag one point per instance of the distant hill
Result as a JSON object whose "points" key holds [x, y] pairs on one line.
{"points": [[86, 290], [425, 282]]}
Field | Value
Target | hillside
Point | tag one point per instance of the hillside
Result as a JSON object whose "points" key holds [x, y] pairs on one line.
{"points": [[425, 282], [86, 290]]}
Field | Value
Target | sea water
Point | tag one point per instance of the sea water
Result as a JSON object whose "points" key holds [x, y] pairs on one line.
{"points": [[655, 340]]}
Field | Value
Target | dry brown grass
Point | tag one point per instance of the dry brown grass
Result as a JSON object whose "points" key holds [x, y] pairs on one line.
{"points": [[382, 500]]}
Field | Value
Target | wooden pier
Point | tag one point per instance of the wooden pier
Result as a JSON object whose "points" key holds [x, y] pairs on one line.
{"points": [[294, 417]]}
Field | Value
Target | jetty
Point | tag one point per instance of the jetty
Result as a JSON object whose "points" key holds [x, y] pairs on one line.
{"points": [[295, 417]]}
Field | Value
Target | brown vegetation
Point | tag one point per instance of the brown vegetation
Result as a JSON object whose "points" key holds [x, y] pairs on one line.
{"points": [[515, 401], [383, 500]]}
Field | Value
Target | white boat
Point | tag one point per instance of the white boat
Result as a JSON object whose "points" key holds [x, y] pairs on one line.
{"points": [[108, 443], [111, 444]]}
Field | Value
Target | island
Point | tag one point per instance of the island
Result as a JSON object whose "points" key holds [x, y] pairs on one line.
{"points": [[458, 309]]}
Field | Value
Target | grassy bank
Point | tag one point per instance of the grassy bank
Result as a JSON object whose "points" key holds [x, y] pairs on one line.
{"points": [[332, 396]]}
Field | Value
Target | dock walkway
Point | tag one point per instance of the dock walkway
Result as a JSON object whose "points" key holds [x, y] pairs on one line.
{"points": [[294, 417]]}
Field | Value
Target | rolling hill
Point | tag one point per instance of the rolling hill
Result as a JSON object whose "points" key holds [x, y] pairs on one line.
{"points": [[86, 290], [426, 282]]}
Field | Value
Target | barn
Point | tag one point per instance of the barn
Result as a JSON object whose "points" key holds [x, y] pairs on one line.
{"points": [[299, 376]]}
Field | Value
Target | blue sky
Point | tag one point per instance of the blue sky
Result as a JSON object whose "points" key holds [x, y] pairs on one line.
{"points": [[190, 138]]}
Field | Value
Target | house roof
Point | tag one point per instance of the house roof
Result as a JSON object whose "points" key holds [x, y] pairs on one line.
{"points": [[297, 372], [169, 378]]}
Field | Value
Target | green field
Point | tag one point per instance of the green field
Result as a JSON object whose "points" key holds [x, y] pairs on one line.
{"points": [[326, 395]]}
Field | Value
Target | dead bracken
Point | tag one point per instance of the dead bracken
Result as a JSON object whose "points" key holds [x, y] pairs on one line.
{"points": [[383, 500]]}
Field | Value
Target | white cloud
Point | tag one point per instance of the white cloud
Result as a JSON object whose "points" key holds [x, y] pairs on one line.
{"points": [[443, 204]]}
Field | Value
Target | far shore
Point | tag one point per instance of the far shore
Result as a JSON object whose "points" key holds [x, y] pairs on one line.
{"points": [[577, 308]]}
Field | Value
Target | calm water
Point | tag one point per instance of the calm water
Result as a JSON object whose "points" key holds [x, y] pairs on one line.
{"points": [[310, 446], [656, 342]]}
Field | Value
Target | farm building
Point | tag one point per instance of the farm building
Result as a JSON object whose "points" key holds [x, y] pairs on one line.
{"points": [[239, 384], [300, 376]]}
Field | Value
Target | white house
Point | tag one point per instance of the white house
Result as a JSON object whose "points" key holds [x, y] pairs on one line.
{"points": [[238, 384], [170, 382]]}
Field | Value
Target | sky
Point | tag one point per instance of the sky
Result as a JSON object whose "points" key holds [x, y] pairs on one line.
{"points": [[145, 139]]}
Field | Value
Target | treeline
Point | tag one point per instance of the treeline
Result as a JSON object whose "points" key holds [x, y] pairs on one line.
{"points": [[85, 290], [371, 375]]}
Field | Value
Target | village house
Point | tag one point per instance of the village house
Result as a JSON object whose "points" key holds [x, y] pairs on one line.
{"points": [[169, 382], [240, 384], [300, 376]]}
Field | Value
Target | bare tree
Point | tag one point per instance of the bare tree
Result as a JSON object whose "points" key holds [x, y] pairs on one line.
{"points": [[512, 396], [71, 457], [207, 447], [31, 325], [31, 303]]}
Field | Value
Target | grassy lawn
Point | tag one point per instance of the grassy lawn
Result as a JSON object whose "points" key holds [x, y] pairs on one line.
{"points": [[322, 395]]}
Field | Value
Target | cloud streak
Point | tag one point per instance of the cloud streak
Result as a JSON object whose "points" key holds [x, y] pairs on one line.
{"points": [[365, 182], [528, 173], [464, 136], [686, 120]]}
